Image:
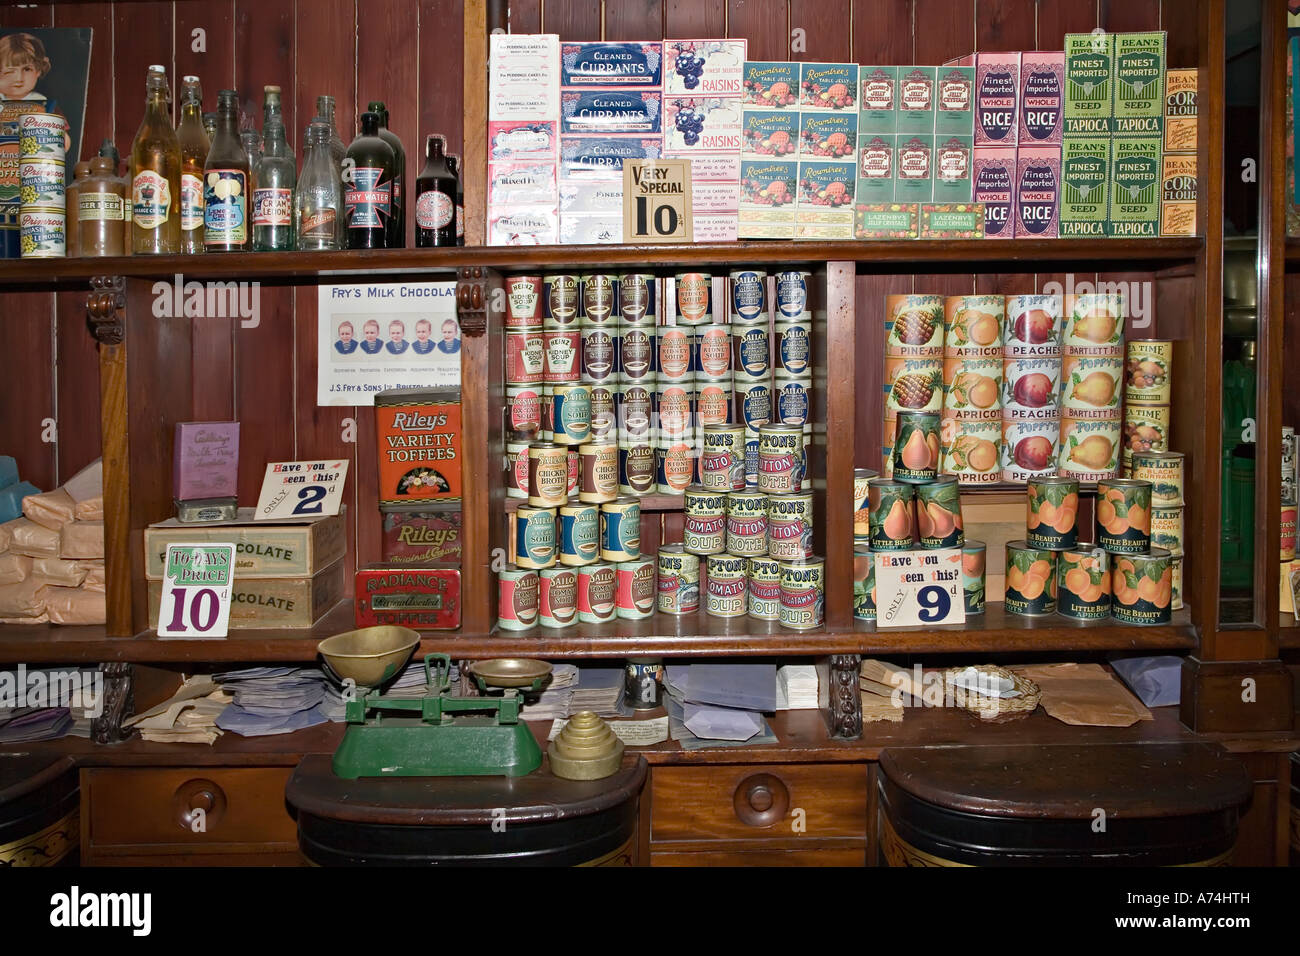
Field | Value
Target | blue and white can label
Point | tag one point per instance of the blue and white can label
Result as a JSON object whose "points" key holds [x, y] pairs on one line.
{"points": [[534, 537], [579, 534], [792, 400], [571, 414], [620, 530], [792, 294], [748, 296], [750, 359], [793, 348], [754, 404]]}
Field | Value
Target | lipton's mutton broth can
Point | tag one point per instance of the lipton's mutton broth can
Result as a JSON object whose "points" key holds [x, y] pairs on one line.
{"points": [[780, 459], [747, 523], [726, 592], [790, 526], [1142, 587], [620, 530], [765, 589], [1031, 580], [679, 580], [1083, 583], [802, 593]]}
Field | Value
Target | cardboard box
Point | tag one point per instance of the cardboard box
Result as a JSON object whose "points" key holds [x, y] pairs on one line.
{"points": [[1139, 84], [611, 64], [828, 86], [886, 221], [1135, 188], [768, 192], [997, 94], [954, 101], [769, 134], [914, 169], [616, 110], [876, 168], [713, 67], [916, 100], [952, 220], [721, 120], [952, 169], [995, 187], [828, 136], [263, 549], [1089, 69], [295, 602], [770, 84], [1178, 185], [1085, 186], [878, 100], [1180, 111], [1038, 192], [601, 157], [1042, 99], [825, 208]]}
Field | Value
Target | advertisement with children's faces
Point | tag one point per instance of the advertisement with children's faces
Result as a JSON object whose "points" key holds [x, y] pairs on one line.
{"points": [[45, 71]]}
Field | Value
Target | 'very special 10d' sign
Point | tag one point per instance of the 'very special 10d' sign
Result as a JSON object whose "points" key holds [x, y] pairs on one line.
{"points": [[919, 588], [657, 201]]}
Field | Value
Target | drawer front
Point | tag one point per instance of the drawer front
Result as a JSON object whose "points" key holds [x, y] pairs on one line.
{"points": [[853, 856], [158, 809], [758, 802]]}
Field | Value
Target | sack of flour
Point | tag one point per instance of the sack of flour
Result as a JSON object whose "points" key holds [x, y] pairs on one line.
{"points": [[76, 606], [87, 489], [56, 571], [34, 540], [14, 568], [51, 509], [24, 599], [82, 539]]}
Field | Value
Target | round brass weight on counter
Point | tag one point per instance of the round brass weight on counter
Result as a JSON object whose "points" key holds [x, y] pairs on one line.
{"points": [[586, 749]]}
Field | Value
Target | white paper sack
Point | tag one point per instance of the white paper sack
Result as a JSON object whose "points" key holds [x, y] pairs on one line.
{"points": [[82, 539], [14, 568], [56, 571], [32, 539], [50, 509], [76, 606], [24, 599]]}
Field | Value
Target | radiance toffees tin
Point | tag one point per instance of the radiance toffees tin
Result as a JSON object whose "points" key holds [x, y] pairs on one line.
{"points": [[780, 459], [517, 470], [636, 467], [792, 294], [548, 475], [861, 506], [560, 301], [973, 563], [534, 541], [726, 589], [1142, 587], [1031, 580], [694, 298], [524, 295], [599, 299], [579, 534], [722, 457], [416, 597], [790, 526], [764, 585], [1164, 469], [636, 299], [890, 515], [747, 523], [864, 583], [636, 354], [557, 597], [1124, 515], [705, 520], [938, 514], [916, 448], [571, 413], [597, 592], [597, 472], [523, 412], [525, 357], [634, 596], [674, 468], [517, 599], [1083, 583], [750, 358], [679, 580], [620, 530], [1051, 515], [803, 598], [748, 297], [713, 351]]}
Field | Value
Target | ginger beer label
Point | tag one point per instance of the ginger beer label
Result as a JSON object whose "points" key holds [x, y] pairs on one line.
{"points": [[151, 199]]}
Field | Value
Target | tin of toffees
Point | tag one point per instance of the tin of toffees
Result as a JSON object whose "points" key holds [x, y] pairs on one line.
{"points": [[597, 472], [793, 347], [674, 468], [517, 599], [891, 514], [1031, 580], [972, 450], [604, 418], [1029, 448], [780, 459], [726, 591], [1287, 520], [597, 593], [563, 355], [571, 413], [694, 297], [523, 412], [636, 299], [535, 537], [973, 563], [1124, 515], [1089, 449], [802, 593], [722, 457], [637, 355], [792, 397], [557, 597], [423, 536], [1031, 389], [620, 530], [1032, 326], [548, 475], [704, 521], [972, 389], [938, 514], [914, 326], [524, 295], [1142, 587], [713, 401], [679, 580], [1094, 324], [634, 596], [764, 586], [1052, 511], [973, 326], [790, 526], [1083, 583], [517, 470], [525, 357], [1167, 527], [747, 523], [1147, 366], [675, 353], [864, 583], [861, 506], [748, 297], [561, 301], [599, 300], [713, 351], [579, 534], [415, 597], [599, 353], [1090, 386], [792, 294], [750, 358], [1164, 469], [636, 467]]}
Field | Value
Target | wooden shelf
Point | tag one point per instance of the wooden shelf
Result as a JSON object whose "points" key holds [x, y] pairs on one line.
{"points": [[648, 503]]}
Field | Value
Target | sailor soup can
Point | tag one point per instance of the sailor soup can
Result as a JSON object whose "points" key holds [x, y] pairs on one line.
{"points": [[557, 599], [780, 459], [525, 357], [972, 450], [972, 389], [599, 295], [973, 562], [704, 529], [861, 505], [675, 349], [1083, 584], [753, 404], [1094, 324], [604, 417], [523, 412], [713, 401], [1124, 515], [524, 295], [1031, 389], [1090, 387], [722, 457], [517, 470], [1029, 448], [637, 353], [938, 514], [674, 468], [916, 448], [571, 413], [579, 534], [575, 465], [679, 580], [891, 514], [635, 589], [598, 353], [726, 593], [560, 301], [673, 401], [1031, 580], [750, 359], [1164, 469], [597, 591], [1052, 511], [764, 585], [864, 583], [636, 299], [1142, 587], [792, 294], [563, 355], [694, 297], [635, 412], [790, 526], [748, 297], [972, 326], [1032, 326], [747, 523], [792, 397], [793, 349], [620, 530], [548, 475], [914, 326], [517, 599], [802, 593], [535, 545], [547, 431], [636, 467], [597, 472], [713, 345]]}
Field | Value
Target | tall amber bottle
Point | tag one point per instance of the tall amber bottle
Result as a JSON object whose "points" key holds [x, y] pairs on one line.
{"points": [[194, 154], [156, 175]]}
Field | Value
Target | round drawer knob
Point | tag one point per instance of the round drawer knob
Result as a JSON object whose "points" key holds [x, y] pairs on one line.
{"points": [[761, 800], [197, 805]]}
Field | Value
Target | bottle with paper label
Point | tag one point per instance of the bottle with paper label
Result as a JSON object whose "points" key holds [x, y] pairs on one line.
{"points": [[194, 155], [156, 174], [368, 187], [226, 182], [274, 180]]}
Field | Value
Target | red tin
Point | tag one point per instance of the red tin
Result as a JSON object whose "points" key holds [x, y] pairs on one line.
{"points": [[427, 599]]}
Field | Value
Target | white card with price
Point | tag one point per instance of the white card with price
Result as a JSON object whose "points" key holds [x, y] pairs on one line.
{"points": [[919, 588], [196, 590], [301, 489]]}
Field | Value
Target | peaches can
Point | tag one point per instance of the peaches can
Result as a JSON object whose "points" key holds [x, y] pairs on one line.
{"points": [[914, 326], [1089, 449], [1032, 326], [1090, 387], [1029, 448], [1031, 389], [972, 450], [972, 388], [1094, 324], [972, 325]]}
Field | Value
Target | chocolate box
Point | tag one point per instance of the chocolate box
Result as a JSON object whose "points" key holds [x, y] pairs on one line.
{"points": [[294, 547], [289, 602]]}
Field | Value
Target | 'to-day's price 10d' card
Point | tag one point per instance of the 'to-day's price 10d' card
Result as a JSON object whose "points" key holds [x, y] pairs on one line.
{"points": [[919, 588], [196, 590]]}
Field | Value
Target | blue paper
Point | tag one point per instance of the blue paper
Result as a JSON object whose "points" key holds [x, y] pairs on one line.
{"points": [[747, 686], [11, 499], [8, 471], [1157, 681]]}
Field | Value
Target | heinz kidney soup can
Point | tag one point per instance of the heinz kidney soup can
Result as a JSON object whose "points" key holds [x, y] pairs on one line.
{"points": [[802, 593], [1124, 515], [792, 294], [679, 580], [1031, 580], [524, 295], [525, 357], [635, 589], [1052, 513], [748, 297], [973, 562], [517, 599], [1083, 583], [563, 355], [636, 299], [597, 592], [1142, 587], [557, 600], [1032, 326]]}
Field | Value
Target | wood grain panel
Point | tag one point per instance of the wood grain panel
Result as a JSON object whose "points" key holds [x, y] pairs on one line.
{"points": [[882, 32], [441, 91], [1056, 18], [1006, 25], [1181, 42], [525, 16], [945, 29], [264, 54], [388, 54], [1291, 335], [764, 23], [869, 305], [825, 23], [142, 36], [28, 396], [1132, 16], [690, 19], [1004, 284], [215, 65], [573, 20], [799, 855], [634, 20], [30, 15]]}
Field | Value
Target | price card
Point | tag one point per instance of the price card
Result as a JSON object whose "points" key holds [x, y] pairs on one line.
{"points": [[919, 588], [657, 201], [301, 489], [196, 590]]}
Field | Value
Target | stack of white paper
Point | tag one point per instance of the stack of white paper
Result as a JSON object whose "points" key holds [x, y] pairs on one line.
{"points": [[188, 716], [796, 687]]}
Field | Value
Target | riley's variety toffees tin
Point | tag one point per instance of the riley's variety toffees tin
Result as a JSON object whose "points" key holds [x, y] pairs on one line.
{"points": [[620, 530], [722, 457], [793, 348], [973, 563], [534, 543], [802, 593], [861, 505], [748, 297], [571, 413], [764, 589], [780, 459], [579, 534], [636, 467], [792, 294], [635, 589], [1142, 587], [636, 299], [1083, 583], [747, 523], [597, 592], [1051, 513], [561, 301], [1031, 580], [890, 515], [694, 297], [1124, 515], [563, 355], [600, 299], [790, 526], [679, 580], [674, 468], [524, 295], [750, 360], [864, 583], [597, 472], [517, 599], [525, 357], [725, 589], [557, 598], [1164, 469], [938, 514], [548, 475], [713, 351], [916, 448], [704, 521]]}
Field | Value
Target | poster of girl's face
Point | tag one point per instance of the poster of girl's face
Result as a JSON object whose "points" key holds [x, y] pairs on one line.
{"points": [[45, 70]]}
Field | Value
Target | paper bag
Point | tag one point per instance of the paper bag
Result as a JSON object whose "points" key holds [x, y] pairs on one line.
{"points": [[1086, 695]]}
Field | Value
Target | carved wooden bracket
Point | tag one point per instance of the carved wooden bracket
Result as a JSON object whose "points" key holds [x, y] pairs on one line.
{"points": [[845, 697], [119, 701], [106, 307], [472, 299]]}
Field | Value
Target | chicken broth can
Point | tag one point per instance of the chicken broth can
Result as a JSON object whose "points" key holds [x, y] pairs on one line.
{"points": [[972, 389], [748, 297], [916, 448], [1090, 387], [747, 523], [620, 530], [517, 599], [635, 589], [1164, 469], [722, 457], [1052, 513], [678, 580], [1147, 371], [598, 472], [802, 593], [973, 563], [597, 593], [914, 326], [938, 514], [790, 526], [1083, 584], [1142, 587], [864, 583], [780, 459], [1089, 449], [548, 475], [973, 326], [1124, 515], [972, 450], [861, 505], [1031, 389], [1029, 448], [704, 529], [579, 534], [636, 299], [557, 600], [1031, 580], [726, 591], [891, 515], [534, 540], [1032, 327]]}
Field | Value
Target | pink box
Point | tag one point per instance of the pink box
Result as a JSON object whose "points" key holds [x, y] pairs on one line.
{"points": [[997, 91], [994, 178], [1042, 98], [1038, 192]]}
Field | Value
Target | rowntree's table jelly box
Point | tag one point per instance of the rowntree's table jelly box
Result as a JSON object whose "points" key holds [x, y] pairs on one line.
{"points": [[770, 133], [828, 86], [1038, 190], [768, 191], [954, 101], [886, 220], [704, 67], [773, 85], [997, 95], [1085, 186], [876, 161], [1042, 98], [611, 64], [952, 169], [828, 136], [825, 204], [995, 186], [1139, 84], [418, 435], [915, 100], [1089, 69], [1135, 188], [878, 99]]}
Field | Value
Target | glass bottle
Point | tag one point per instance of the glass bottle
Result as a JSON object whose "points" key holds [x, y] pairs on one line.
{"points": [[453, 160], [368, 182], [210, 125], [226, 182], [108, 150], [325, 110], [251, 140], [435, 198], [194, 154], [318, 201], [101, 208], [155, 174], [397, 240], [274, 179]]}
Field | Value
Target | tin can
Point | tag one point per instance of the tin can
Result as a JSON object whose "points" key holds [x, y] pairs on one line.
{"points": [[620, 530], [571, 413], [563, 355], [972, 450], [673, 407], [747, 523], [1164, 469], [1090, 386], [597, 593], [1032, 326], [792, 293], [1031, 389], [972, 389], [780, 459], [421, 598], [914, 326], [916, 448], [42, 235], [864, 583], [42, 186], [1052, 511], [679, 580], [1167, 528], [972, 326], [913, 385], [517, 470], [753, 404], [675, 348], [636, 298], [802, 593], [764, 586], [561, 301], [42, 135], [635, 589], [523, 412], [575, 468], [793, 398], [973, 563], [793, 347], [1083, 583], [861, 506], [599, 299], [726, 591], [1288, 465], [748, 297], [1089, 450], [891, 516], [637, 358], [1146, 428], [713, 401], [938, 514], [597, 472], [1029, 448], [579, 534], [1124, 515], [750, 357], [789, 526], [557, 598], [704, 521], [604, 416], [547, 431], [1031, 580], [1094, 324], [1176, 582], [722, 457], [524, 296], [713, 349], [421, 537], [642, 680], [694, 297], [635, 412], [534, 542], [548, 475], [674, 468], [1287, 542], [517, 599], [1148, 364], [1142, 587], [525, 357], [598, 356], [636, 467]]}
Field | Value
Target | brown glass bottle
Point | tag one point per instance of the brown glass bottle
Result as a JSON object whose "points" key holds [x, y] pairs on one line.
{"points": [[368, 187], [194, 155], [435, 198], [155, 175], [226, 184], [72, 234], [101, 210]]}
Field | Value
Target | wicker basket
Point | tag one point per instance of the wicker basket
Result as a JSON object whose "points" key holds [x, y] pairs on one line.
{"points": [[991, 708]]}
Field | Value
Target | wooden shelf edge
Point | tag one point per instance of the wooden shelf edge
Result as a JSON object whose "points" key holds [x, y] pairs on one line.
{"points": [[1288, 638]]}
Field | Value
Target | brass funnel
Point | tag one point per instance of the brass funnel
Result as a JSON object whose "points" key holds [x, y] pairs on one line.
{"points": [[586, 749]]}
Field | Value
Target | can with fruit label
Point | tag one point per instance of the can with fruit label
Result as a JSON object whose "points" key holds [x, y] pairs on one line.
{"points": [[1148, 369], [1090, 386], [1142, 587], [1030, 581], [1164, 469], [1146, 428], [972, 389], [914, 326], [1029, 448], [913, 385], [1052, 513], [1083, 583], [973, 562], [916, 448], [679, 580], [1094, 324], [891, 515], [1089, 449], [1032, 326], [1124, 515], [1167, 528], [972, 450], [938, 514], [1031, 389], [861, 505], [973, 326], [1176, 582], [864, 583]]}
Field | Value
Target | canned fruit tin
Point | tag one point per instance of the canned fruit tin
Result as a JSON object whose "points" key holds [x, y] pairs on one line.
{"points": [[1032, 326], [913, 385], [938, 514], [563, 355], [972, 450], [914, 326], [1090, 386], [1176, 582], [713, 401], [864, 583], [517, 599], [597, 472], [802, 593], [597, 593], [713, 346], [1029, 448], [748, 297], [891, 515], [780, 459], [1031, 389], [726, 590], [517, 470], [916, 448], [789, 527], [525, 357], [557, 598], [571, 413], [675, 347], [674, 468], [523, 412], [636, 298], [1089, 449], [722, 457], [973, 325], [548, 475], [1146, 428], [1287, 543], [599, 353], [1094, 324], [535, 537], [579, 534], [793, 347], [750, 358], [524, 295], [1083, 584], [620, 530], [792, 294], [674, 403], [1164, 469], [636, 468], [1124, 515], [560, 301], [792, 397], [973, 562], [972, 389], [694, 297], [678, 580], [604, 417], [635, 589], [1142, 587], [599, 300], [1167, 527], [1052, 513], [764, 586], [41, 135], [1031, 580], [1147, 367], [861, 505]]}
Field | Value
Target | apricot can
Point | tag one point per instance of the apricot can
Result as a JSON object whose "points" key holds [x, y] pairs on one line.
{"points": [[1124, 515], [1142, 587], [1083, 584], [1090, 386], [971, 450], [1029, 448], [1052, 510], [1147, 370], [938, 514], [972, 389], [864, 583], [891, 515], [916, 448], [1031, 580], [1032, 326], [972, 325], [1089, 449], [973, 563]]}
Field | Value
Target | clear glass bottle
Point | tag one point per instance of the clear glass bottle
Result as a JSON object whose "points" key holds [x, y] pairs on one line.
{"points": [[318, 201], [368, 196], [156, 174], [194, 155], [274, 178], [453, 160], [325, 111], [435, 198], [397, 225], [226, 182]]}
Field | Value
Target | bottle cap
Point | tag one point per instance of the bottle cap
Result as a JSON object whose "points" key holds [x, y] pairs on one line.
{"points": [[157, 69], [189, 79]]}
